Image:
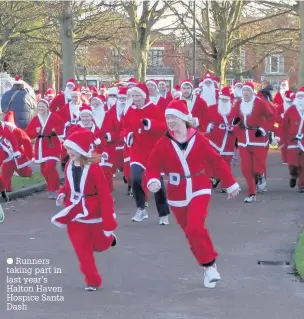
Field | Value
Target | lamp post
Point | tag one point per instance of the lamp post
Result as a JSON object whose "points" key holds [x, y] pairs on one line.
{"points": [[194, 42]]}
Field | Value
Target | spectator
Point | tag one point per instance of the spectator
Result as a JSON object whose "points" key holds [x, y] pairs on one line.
{"points": [[266, 88]]}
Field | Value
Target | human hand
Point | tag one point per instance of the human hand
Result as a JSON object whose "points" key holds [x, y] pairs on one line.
{"points": [[234, 193], [60, 200], [154, 187], [38, 129]]}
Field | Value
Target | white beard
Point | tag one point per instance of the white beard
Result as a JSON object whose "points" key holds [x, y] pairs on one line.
{"points": [[208, 95], [282, 92], [111, 102], [247, 107], [163, 93], [286, 105], [238, 92], [98, 116], [67, 94], [74, 108], [120, 108], [299, 103], [154, 99], [224, 108]]}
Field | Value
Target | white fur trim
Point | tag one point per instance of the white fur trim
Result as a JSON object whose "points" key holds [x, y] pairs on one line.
{"points": [[299, 93], [61, 195], [209, 127], [154, 180], [263, 131], [248, 87], [233, 188], [177, 113], [108, 135], [44, 101], [189, 83], [108, 233], [196, 121], [70, 83], [17, 154], [86, 111], [97, 141], [138, 90], [151, 82], [76, 148], [148, 127], [221, 96]]}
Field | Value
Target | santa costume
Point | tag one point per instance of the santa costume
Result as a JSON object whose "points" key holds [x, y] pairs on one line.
{"points": [[88, 212], [197, 107], [209, 89], [164, 91], [144, 125], [20, 165], [45, 128], [61, 100], [8, 151], [254, 119], [112, 96], [49, 95], [279, 96], [189, 188], [293, 138], [154, 95]]}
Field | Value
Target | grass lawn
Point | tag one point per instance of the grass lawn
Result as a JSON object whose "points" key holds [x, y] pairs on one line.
{"points": [[299, 256], [22, 182]]}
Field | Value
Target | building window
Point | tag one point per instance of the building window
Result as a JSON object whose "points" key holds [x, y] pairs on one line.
{"points": [[274, 64], [155, 58]]}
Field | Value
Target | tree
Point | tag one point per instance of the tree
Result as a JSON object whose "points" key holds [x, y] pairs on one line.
{"points": [[225, 27]]}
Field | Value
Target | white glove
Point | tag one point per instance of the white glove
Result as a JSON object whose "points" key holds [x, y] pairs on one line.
{"points": [[154, 187]]}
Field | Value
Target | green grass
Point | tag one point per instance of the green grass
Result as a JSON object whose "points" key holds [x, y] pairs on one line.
{"points": [[23, 182], [299, 256]]}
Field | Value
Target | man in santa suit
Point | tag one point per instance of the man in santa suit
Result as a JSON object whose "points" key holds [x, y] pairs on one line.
{"points": [[281, 109], [293, 138], [144, 124], [132, 83], [50, 94], [209, 90], [95, 91], [279, 96], [237, 90], [197, 107], [102, 91], [254, 118], [62, 99], [21, 164], [98, 110], [220, 129], [164, 92], [155, 97], [112, 97], [8, 151], [113, 128]]}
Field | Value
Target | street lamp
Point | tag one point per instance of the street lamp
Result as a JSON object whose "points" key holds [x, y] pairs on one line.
{"points": [[194, 42]]}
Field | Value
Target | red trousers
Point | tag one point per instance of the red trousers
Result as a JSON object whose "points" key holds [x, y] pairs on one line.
{"points": [[192, 221], [284, 153], [253, 163], [119, 161], [295, 160], [8, 170], [49, 172], [87, 239]]}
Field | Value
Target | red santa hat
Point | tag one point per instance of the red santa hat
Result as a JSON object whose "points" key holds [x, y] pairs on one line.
{"points": [[300, 91], [99, 98], [81, 142], [113, 91], [177, 87], [76, 91], [154, 82], [179, 109], [6, 134], [18, 80], [45, 102], [50, 92], [94, 91], [237, 82], [122, 91], [71, 82], [249, 85], [186, 82], [207, 77], [142, 89], [85, 109], [289, 96], [226, 92], [132, 81]]}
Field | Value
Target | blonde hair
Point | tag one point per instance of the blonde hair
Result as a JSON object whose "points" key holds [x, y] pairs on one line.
{"points": [[84, 160]]}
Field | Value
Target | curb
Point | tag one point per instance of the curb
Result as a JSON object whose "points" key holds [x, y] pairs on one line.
{"points": [[28, 191], [299, 256]]}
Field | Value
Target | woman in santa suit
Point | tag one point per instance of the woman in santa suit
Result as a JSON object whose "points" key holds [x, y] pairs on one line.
{"points": [[88, 212], [8, 151], [279, 96], [45, 128], [183, 154], [100, 144]]}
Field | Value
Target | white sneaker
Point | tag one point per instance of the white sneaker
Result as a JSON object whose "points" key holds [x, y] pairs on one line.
{"points": [[250, 199], [262, 184], [140, 215], [211, 276], [164, 220], [52, 195]]}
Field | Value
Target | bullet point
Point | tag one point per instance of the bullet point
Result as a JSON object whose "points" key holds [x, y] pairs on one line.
{"points": [[10, 261]]}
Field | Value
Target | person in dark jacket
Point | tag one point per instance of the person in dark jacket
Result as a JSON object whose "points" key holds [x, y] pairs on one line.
{"points": [[266, 88], [19, 101]]}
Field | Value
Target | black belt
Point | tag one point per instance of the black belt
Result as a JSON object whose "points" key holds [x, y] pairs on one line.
{"points": [[249, 127], [84, 196], [190, 175], [49, 137]]}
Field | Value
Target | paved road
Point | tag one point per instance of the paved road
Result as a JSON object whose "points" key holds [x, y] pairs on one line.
{"points": [[152, 275]]}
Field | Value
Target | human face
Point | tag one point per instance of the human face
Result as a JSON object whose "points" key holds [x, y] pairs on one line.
{"points": [[122, 98], [138, 99], [162, 87], [74, 156], [152, 89], [86, 119], [208, 83], [75, 99], [70, 87], [186, 91], [89, 96], [130, 86], [247, 94], [96, 105], [42, 108], [174, 123]]}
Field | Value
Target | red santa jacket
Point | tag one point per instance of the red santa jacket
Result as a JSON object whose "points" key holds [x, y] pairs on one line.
{"points": [[160, 102], [293, 128], [25, 146], [220, 130], [47, 143], [278, 99], [168, 97], [199, 110], [94, 203], [261, 117], [141, 139], [58, 103], [186, 168], [8, 144]]}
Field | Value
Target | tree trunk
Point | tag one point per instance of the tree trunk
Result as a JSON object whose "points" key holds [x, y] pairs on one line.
{"points": [[301, 62], [67, 45], [142, 46]]}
